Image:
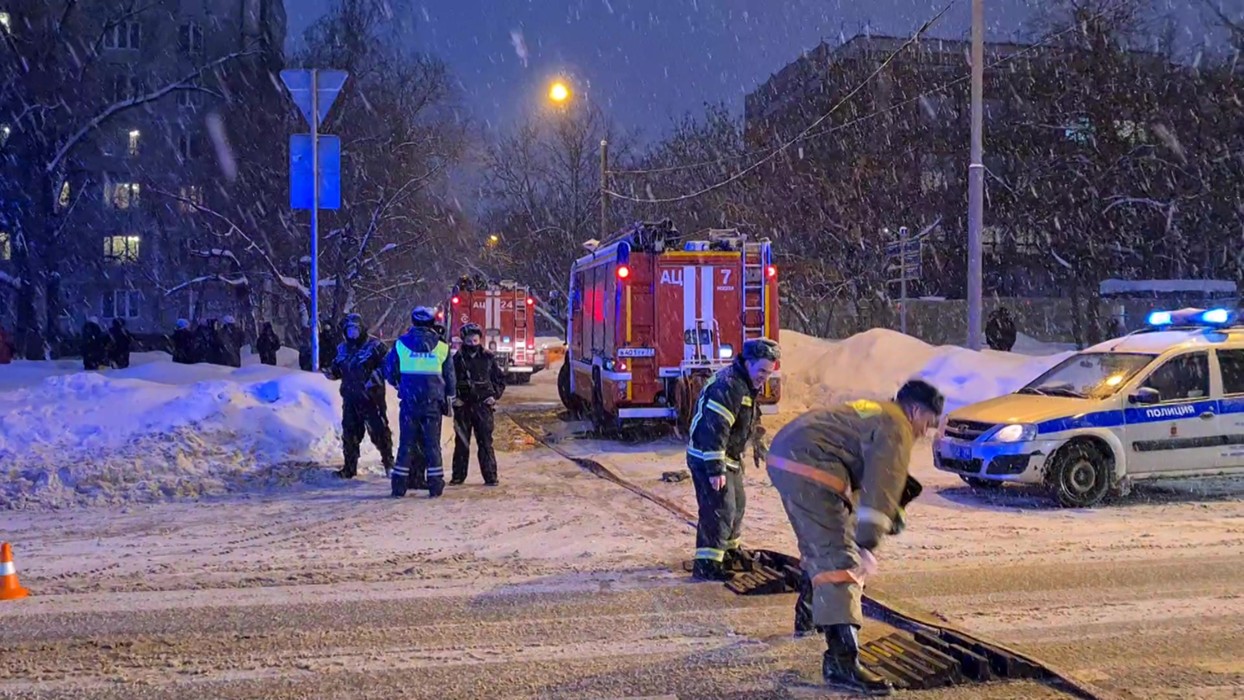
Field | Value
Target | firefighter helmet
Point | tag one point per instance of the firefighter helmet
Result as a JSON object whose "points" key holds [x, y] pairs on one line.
{"points": [[761, 349], [423, 316], [470, 329]]}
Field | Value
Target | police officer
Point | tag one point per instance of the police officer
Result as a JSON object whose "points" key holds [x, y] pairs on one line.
{"points": [[358, 365], [721, 428], [420, 367], [481, 382], [841, 473]]}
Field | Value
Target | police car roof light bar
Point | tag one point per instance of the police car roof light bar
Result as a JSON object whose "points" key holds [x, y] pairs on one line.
{"points": [[1191, 319]]}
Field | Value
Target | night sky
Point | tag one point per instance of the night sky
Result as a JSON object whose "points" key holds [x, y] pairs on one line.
{"points": [[650, 61]]}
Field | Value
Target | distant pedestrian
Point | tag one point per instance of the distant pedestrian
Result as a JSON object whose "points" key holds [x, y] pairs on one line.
{"points": [[119, 347], [230, 339], [206, 343], [183, 343], [7, 348], [267, 344], [1000, 331], [94, 344]]}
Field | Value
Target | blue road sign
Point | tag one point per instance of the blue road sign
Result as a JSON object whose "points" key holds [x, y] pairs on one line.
{"points": [[328, 84], [300, 171]]}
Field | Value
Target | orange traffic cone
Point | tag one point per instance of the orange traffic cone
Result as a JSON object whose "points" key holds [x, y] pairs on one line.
{"points": [[10, 589]]}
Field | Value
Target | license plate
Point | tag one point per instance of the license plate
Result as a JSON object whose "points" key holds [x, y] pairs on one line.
{"points": [[957, 452]]}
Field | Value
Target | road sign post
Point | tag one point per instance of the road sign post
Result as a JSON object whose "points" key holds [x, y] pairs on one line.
{"points": [[902, 253], [314, 92]]}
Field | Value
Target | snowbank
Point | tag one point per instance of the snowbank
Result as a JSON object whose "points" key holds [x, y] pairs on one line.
{"points": [[875, 363], [159, 430]]}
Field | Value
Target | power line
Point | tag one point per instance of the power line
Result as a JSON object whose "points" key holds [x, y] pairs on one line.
{"points": [[894, 54], [805, 136]]}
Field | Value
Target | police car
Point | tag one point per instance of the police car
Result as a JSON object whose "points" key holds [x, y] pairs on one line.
{"points": [[1165, 401]]}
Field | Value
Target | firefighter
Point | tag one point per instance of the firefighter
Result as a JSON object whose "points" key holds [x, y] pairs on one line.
{"points": [[721, 429], [357, 364], [841, 473], [481, 382], [420, 367]]}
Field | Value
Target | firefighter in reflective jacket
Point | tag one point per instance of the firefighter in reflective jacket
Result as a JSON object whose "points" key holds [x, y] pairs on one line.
{"points": [[721, 428], [420, 367], [842, 476]]}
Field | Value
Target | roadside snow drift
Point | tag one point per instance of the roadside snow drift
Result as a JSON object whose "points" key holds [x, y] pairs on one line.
{"points": [[875, 363], [160, 430]]}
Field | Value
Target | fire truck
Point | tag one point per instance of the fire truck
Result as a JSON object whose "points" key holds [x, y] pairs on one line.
{"points": [[652, 317], [505, 310]]}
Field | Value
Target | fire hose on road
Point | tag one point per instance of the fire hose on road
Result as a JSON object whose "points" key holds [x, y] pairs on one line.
{"points": [[931, 653]]}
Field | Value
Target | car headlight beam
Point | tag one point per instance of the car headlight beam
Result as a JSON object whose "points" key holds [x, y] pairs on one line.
{"points": [[1015, 432]]}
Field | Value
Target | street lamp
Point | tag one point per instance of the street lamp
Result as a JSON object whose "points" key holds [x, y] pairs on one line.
{"points": [[559, 92]]}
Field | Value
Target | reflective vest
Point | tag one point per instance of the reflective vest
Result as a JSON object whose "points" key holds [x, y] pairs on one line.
{"points": [[410, 362]]}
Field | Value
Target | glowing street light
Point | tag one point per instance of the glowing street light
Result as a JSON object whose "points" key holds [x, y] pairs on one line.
{"points": [[559, 92]]}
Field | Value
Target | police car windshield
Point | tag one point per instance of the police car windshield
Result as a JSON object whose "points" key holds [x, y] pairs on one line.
{"points": [[1089, 375]]}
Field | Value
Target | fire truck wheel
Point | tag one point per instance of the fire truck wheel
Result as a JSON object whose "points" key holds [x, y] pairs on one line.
{"points": [[572, 402], [603, 424]]}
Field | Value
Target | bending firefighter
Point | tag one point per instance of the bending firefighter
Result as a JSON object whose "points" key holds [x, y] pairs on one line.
{"points": [[725, 414], [842, 476], [358, 364], [420, 367], [481, 381]]}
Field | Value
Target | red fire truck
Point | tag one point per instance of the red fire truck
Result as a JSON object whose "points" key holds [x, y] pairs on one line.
{"points": [[506, 312], [651, 318]]}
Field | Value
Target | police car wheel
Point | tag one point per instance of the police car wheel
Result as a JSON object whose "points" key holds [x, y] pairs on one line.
{"points": [[1079, 476]]}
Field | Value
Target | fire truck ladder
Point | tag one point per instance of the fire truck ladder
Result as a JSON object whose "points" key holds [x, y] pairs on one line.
{"points": [[755, 291], [520, 324]]}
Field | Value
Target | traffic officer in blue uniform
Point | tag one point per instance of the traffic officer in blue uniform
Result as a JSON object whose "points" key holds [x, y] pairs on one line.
{"points": [[723, 424], [420, 367]]}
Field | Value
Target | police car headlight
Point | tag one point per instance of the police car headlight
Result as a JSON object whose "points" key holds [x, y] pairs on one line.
{"points": [[1015, 432]]}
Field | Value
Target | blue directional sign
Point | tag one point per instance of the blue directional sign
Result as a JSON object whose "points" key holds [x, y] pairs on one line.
{"points": [[300, 177], [327, 85]]}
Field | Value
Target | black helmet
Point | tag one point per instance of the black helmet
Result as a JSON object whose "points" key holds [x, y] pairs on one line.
{"points": [[470, 329], [423, 316], [922, 394], [761, 349]]}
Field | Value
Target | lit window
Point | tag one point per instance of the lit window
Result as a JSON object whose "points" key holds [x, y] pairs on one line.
{"points": [[121, 195], [121, 303], [124, 35], [62, 200], [133, 141], [191, 39], [6, 246], [191, 195], [6, 21], [121, 249]]}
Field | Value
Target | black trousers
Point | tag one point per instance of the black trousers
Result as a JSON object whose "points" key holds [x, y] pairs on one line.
{"points": [[721, 514], [474, 418], [419, 451], [359, 416]]}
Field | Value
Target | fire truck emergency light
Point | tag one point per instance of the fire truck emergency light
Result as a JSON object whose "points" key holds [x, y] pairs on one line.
{"points": [[531, 302], [455, 300], [771, 271], [623, 272]]}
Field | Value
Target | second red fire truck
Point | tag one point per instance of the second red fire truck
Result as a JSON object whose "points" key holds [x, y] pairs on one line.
{"points": [[652, 316], [505, 311]]}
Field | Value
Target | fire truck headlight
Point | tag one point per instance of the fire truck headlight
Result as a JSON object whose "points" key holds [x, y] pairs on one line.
{"points": [[506, 340], [726, 352], [455, 301]]}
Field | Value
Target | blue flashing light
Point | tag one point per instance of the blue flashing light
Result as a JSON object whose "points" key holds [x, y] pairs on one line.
{"points": [[1160, 318], [1216, 317]]}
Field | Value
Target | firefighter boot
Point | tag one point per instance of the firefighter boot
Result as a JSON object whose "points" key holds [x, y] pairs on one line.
{"points": [[804, 626], [709, 570], [738, 559], [841, 665]]}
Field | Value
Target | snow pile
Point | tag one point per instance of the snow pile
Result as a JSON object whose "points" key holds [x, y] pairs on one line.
{"points": [[875, 363], [160, 430]]}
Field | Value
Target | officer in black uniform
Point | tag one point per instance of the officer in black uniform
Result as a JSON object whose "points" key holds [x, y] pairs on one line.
{"points": [[481, 382], [721, 428], [358, 365]]}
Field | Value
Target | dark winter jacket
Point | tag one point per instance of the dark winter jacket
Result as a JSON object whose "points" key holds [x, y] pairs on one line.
{"points": [[478, 375], [725, 414], [95, 344], [207, 346], [119, 347], [184, 347], [7, 348], [359, 365], [229, 338], [1000, 331], [304, 356], [420, 367], [267, 344], [859, 450]]}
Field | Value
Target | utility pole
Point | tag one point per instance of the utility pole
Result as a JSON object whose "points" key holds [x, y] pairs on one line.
{"points": [[604, 186], [976, 178], [315, 221], [902, 256]]}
